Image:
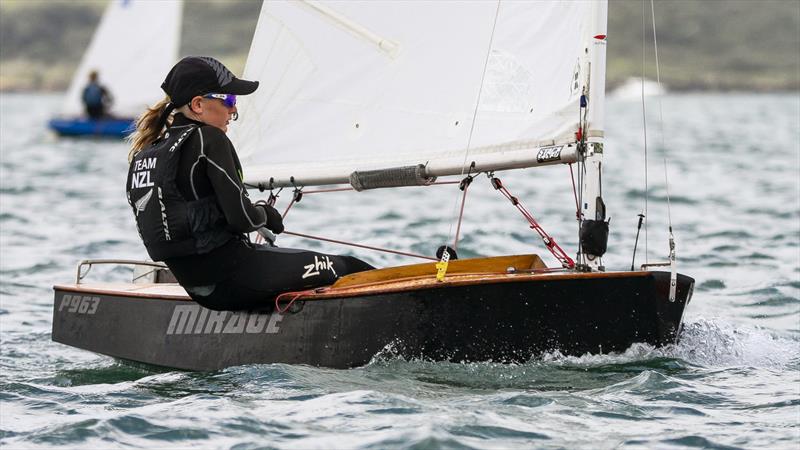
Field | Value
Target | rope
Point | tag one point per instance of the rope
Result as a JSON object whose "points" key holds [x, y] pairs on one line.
{"points": [[298, 195], [575, 194], [661, 115], [548, 240], [353, 244], [472, 126], [581, 137], [294, 295], [578, 215], [644, 127], [673, 273], [464, 185]]}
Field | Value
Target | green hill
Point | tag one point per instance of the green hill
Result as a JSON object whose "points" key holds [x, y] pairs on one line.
{"points": [[711, 44], [716, 44]]}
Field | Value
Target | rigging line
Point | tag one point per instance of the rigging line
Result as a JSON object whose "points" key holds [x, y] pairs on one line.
{"points": [[581, 183], [644, 127], [583, 125], [465, 185], [296, 199], [474, 116], [666, 185], [661, 114], [575, 194], [353, 244], [658, 73]]}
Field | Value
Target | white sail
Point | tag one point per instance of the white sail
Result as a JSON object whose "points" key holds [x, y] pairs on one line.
{"points": [[365, 85], [135, 45]]}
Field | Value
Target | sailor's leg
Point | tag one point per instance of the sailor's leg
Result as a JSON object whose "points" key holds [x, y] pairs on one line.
{"points": [[285, 269], [269, 271]]}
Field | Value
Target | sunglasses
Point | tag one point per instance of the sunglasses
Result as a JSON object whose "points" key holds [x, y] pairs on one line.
{"points": [[229, 100]]}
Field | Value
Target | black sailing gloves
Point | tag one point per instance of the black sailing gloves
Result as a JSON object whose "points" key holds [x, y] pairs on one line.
{"points": [[274, 219]]}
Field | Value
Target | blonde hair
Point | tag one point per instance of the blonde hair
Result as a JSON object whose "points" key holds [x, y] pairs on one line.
{"points": [[148, 129]]}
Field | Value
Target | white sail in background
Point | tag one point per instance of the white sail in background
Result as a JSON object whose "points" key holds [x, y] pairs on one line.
{"points": [[135, 45], [364, 85]]}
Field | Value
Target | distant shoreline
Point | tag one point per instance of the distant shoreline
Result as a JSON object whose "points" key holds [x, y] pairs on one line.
{"points": [[700, 90], [733, 46]]}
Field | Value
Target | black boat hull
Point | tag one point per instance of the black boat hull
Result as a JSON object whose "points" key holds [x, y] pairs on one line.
{"points": [[508, 321]]}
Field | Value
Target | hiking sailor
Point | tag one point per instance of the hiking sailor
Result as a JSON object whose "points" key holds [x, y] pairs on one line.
{"points": [[192, 209]]}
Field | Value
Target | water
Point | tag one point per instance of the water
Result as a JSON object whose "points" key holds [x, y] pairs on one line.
{"points": [[732, 382]]}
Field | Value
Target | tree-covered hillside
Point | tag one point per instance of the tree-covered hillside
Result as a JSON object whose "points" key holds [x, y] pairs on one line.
{"points": [[720, 44], [703, 44]]}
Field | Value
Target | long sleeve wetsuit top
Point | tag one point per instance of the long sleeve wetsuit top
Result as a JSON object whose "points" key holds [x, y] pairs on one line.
{"points": [[240, 274]]}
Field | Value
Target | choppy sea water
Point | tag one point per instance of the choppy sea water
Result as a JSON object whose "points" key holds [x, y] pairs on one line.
{"points": [[732, 382]]}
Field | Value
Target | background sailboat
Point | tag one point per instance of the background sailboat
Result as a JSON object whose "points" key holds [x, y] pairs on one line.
{"points": [[135, 44]]}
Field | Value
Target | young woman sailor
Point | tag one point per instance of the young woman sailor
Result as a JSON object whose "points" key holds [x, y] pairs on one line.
{"points": [[192, 209]]}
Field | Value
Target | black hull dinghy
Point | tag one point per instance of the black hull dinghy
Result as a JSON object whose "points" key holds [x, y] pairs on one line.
{"points": [[501, 309], [414, 104]]}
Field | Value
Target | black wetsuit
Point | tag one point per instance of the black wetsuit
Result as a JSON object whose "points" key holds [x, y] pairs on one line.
{"points": [[239, 274]]}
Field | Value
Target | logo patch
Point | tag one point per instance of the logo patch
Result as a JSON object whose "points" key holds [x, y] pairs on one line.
{"points": [[141, 204], [164, 215], [319, 264], [224, 76], [194, 319], [549, 154]]}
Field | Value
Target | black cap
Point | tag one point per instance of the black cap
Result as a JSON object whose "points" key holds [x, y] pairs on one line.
{"points": [[200, 75]]}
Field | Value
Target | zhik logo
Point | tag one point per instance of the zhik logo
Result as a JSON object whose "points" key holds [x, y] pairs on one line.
{"points": [[323, 263]]}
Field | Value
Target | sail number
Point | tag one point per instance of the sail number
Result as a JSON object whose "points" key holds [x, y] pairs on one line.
{"points": [[79, 304], [549, 154]]}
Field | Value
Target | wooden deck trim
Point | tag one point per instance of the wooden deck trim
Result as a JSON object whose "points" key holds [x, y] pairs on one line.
{"points": [[489, 265], [421, 283], [158, 291]]}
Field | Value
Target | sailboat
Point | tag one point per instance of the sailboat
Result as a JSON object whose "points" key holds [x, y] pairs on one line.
{"points": [[134, 45], [379, 95]]}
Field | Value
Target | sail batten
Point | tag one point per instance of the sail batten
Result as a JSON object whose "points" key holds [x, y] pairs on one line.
{"points": [[359, 31], [349, 86]]}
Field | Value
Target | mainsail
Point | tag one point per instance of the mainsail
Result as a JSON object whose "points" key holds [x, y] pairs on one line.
{"points": [[135, 44], [354, 86]]}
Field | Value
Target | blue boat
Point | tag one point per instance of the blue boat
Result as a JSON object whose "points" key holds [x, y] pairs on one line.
{"points": [[110, 128], [132, 82]]}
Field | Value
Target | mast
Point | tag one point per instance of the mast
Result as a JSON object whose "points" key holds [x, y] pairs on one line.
{"points": [[594, 226]]}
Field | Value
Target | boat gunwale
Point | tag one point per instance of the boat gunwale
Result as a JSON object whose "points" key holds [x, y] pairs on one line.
{"points": [[368, 289]]}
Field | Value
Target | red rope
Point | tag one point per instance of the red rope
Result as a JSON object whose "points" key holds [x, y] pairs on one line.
{"points": [[548, 240], [294, 296], [286, 211]]}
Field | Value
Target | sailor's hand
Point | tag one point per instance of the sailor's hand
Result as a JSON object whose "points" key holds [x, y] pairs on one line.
{"points": [[267, 235], [274, 219]]}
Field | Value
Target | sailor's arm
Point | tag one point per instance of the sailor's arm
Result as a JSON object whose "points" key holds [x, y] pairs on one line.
{"points": [[242, 216]]}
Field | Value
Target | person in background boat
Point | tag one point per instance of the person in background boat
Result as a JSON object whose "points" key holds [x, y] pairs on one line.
{"points": [[96, 98], [192, 209]]}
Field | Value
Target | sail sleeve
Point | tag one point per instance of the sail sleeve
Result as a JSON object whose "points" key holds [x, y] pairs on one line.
{"points": [[133, 48], [354, 86]]}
